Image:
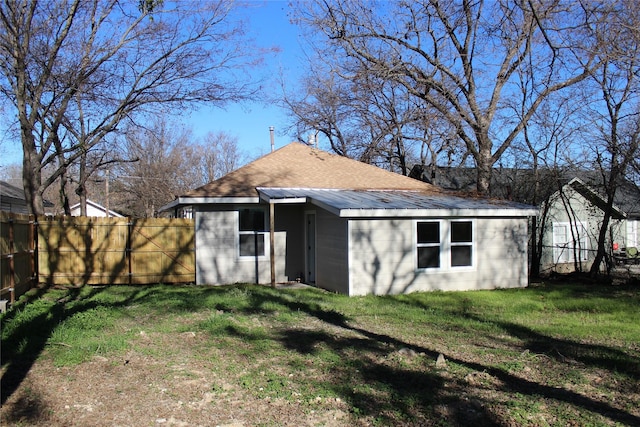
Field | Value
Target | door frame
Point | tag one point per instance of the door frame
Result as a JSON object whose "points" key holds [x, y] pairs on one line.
{"points": [[310, 245]]}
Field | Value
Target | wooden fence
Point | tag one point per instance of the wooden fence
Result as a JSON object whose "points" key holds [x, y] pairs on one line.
{"points": [[101, 251], [18, 259]]}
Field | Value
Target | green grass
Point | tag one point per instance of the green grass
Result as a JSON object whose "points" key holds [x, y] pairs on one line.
{"points": [[520, 356]]}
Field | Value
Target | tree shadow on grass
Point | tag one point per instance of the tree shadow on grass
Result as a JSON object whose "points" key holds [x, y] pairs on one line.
{"points": [[428, 388], [22, 346]]}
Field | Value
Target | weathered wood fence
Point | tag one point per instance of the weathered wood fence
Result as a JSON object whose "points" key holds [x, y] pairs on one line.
{"points": [[101, 251], [18, 260]]}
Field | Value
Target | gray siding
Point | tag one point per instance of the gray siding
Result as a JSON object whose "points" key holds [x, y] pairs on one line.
{"points": [[383, 258], [332, 267], [290, 219], [217, 260], [571, 207]]}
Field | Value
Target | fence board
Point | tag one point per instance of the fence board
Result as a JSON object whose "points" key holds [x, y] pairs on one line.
{"points": [[17, 255], [81, 250]]}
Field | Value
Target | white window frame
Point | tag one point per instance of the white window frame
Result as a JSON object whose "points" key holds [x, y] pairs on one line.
{"points": [[445, 245], [419, 245], [633, 233], [471, 244], [563, 251], [263, 233]]}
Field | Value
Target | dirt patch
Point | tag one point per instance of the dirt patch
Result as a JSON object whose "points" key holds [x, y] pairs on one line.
{"points": [[142, 390]]}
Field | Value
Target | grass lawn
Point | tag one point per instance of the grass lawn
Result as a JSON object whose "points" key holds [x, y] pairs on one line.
{"points": [[551, 354]]}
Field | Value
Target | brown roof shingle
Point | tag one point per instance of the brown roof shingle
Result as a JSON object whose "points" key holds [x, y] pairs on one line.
{"points": [[299, 166]]}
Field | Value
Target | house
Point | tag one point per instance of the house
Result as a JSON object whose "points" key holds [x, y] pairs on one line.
{"points": [[12, 199], [302, 214], [572, 209], [573, 220], [94, 209]]}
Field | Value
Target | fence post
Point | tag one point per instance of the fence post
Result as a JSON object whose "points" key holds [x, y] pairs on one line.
{"points": [[12, 272], [128, 248], [33, 249]]}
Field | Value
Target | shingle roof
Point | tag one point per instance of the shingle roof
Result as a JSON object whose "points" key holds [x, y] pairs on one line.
{"points": [[9, 190], [299, 166], [516, 183]]}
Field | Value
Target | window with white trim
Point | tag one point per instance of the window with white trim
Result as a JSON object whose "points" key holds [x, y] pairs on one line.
{"points": [[461, 244], [444, 244], [428, 244], [570, 240], [252, 232]]}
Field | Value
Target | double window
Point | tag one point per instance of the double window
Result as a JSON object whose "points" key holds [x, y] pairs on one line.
{"points": [[444, 244], [252, 232], [570, 242]]}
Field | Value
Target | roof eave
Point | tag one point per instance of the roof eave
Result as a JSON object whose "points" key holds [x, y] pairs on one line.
{"points": [[190, 201], [440, 213]]}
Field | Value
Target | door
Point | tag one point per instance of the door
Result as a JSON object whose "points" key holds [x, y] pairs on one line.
{"points": [[310, 243]]}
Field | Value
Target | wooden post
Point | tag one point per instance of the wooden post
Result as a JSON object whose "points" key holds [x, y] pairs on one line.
{"points": [[272, 243], [128, 248], [12, 272], [33, 239], [106, 197]]}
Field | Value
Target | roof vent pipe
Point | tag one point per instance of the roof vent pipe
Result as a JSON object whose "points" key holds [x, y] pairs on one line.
{"points": [[272, 141], [312, 140]]}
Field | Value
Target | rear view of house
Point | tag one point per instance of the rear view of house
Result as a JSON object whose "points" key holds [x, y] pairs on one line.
{"points": [[301, 214]]}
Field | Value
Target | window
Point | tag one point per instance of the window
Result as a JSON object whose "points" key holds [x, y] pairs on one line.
{"points": [[428, 245], [569, 240], [461, 244], [252, 232], [444, 244]]}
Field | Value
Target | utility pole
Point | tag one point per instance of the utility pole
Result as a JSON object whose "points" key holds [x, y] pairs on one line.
{"points": [[106, 190]]}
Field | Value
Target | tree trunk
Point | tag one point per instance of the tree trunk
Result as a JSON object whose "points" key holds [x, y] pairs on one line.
{"points": [[81, 191], [484, 166], [64, 199], [535, 256], [31, 176], [602, 235]]}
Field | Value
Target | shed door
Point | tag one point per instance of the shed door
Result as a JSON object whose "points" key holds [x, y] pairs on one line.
{"points": [[310, 241]]}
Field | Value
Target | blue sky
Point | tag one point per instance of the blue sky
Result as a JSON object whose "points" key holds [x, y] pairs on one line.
{"points": [[270, 27]]}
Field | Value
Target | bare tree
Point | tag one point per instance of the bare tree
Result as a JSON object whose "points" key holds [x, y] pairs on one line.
{"points": [[616, 111], [363, 117], [169, 162], [217, 155], [460, 57], [99, 63], [142, 186]]}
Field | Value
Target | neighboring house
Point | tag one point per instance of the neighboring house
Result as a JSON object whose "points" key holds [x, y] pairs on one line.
{"points": [[12, 199], [94, 209], [573, 221], [303, 214], [572, 206]]}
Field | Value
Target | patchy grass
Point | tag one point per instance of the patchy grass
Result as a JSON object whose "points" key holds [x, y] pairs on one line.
{"points": [[552, 354]]}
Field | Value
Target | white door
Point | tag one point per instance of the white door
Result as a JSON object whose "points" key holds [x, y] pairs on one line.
{"points": [[310, 242]]}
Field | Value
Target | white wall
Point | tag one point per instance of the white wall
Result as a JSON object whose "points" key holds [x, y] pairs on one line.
{"points": [[383, 259], [217, 260], [364, 256]]}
